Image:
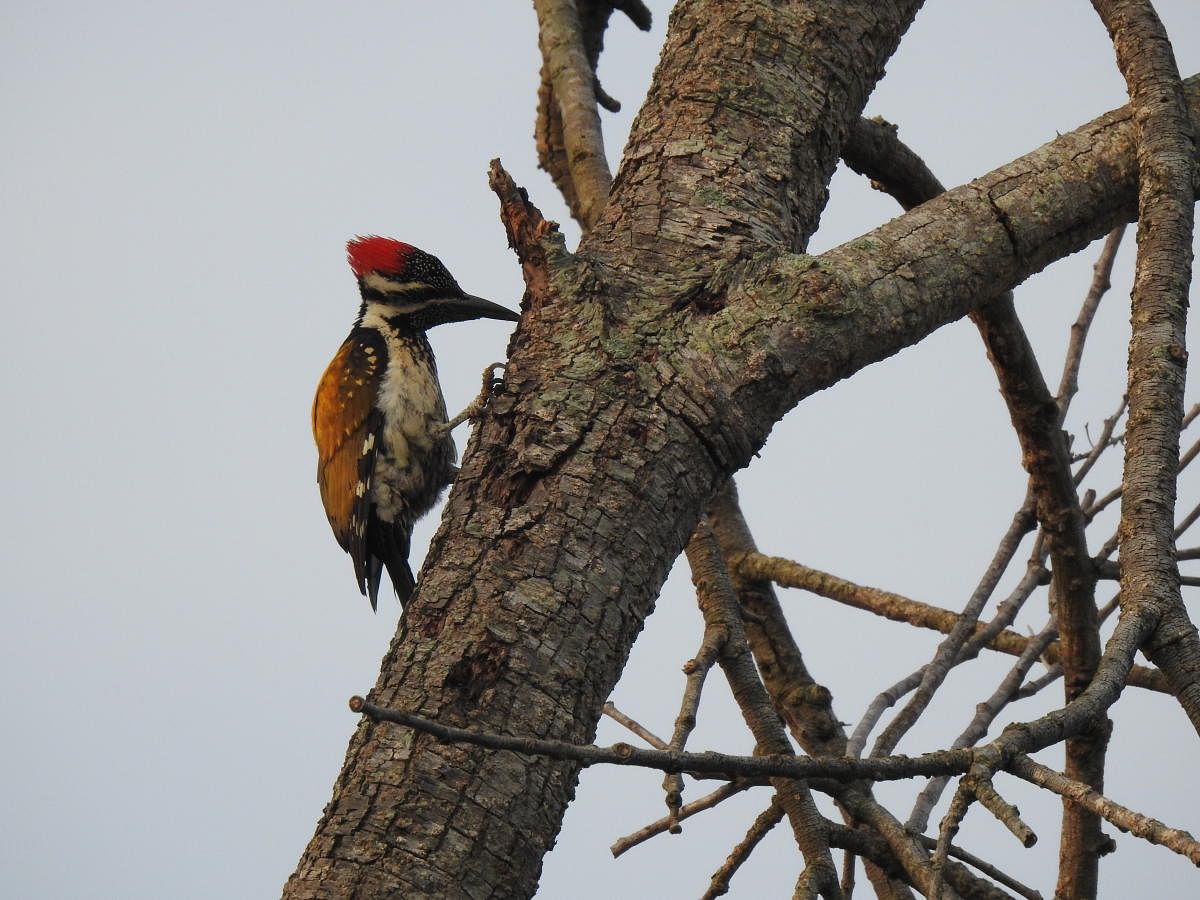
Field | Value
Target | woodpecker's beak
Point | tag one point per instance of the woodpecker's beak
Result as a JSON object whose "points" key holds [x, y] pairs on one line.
{"points": [[466, 307]]}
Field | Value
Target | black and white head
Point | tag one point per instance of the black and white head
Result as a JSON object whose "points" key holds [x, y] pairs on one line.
{"points": [[401, 281]]}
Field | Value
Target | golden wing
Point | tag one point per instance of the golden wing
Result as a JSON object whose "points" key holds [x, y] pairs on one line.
{"points": [[346, 427]]}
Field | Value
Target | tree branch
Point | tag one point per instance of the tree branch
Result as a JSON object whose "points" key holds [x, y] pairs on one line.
{"points": [[1037, 419], [898, 608], [722, 618], [1127, 820], [985, 714], [1166, 154], [759, 829], [809, 322], [696, 670], [805, 705], [569, 88], [1036, 416], [724, 765], [663, 825], [1068, 385]]}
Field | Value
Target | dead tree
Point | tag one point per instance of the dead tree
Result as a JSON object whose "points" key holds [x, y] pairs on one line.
{"points": [[649, 366]]}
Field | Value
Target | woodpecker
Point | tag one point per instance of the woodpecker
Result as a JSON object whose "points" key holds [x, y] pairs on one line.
{"points": [[384, 451]]}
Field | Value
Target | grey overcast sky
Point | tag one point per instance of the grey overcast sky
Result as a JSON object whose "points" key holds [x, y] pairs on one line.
{"points": [[180, 631]]}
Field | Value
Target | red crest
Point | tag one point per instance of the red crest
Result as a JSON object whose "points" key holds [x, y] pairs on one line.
{"points": [[372, 253]]}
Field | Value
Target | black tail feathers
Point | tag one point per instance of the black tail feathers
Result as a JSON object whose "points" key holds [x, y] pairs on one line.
{"points": [[402, 579]]}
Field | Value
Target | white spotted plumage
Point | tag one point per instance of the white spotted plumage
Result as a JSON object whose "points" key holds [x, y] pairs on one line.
{"points": [[411, 401]]}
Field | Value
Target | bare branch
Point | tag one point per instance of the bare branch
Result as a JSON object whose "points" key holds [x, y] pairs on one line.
{"points": [[1054, 671], [1096, 507], [871, 847], [896, 607], [874, 149], [986, 868], [767, 819], [1045, 455], [949, 827], [976, 785], [1128, 820], [840, 768], [947, 652], [1157, 350], [633, 725], [807, 708], [985, 714], [1103, 442], [572, 80], [660, 826], [805, 705], [886, 768], [719, 606], [1068, 385], [696, 669], [529, 233], [887, 604], [1187, 521], [1037, 420]]}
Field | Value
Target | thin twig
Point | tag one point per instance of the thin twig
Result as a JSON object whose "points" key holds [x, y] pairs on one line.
{"points": [[1055, 671], [1187, 521], [871, 847], [660, 826], [1068, 385], [1185, 460], [1127, 820], [993, 634], [985, 713], [767, 819], [1006, 814], [957, 852], [881, 703], [1010, 606], [609, 709], [887, 604], [1103, 442], [696, 670], [947, 651], [949, 827]]}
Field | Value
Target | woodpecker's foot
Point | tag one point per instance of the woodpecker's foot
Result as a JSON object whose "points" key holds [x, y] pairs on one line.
{"points": [[476, 407]]}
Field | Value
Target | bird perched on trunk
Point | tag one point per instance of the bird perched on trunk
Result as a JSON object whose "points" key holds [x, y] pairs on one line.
{"points": [[384, 451]]}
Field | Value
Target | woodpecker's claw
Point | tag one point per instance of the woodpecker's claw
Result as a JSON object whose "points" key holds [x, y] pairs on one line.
{"points": [[476, 407]]}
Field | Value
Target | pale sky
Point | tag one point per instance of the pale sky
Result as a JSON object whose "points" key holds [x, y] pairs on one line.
{"points": [[177, 182]]}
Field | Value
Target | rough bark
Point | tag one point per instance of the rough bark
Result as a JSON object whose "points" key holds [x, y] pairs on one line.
{"points": [[1167, 162], [1157, 367], [646, 369]]}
